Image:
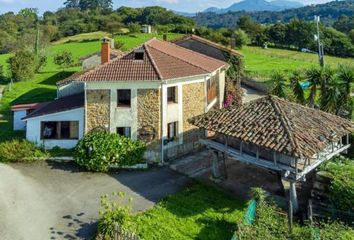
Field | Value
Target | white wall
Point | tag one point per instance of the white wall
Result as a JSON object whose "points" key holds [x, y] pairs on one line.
{"points": [[19, 124], [33, 132], [70, 89]]}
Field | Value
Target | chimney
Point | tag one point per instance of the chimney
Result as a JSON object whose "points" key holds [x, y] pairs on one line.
{"points": [[105, 51], [165, 37]]}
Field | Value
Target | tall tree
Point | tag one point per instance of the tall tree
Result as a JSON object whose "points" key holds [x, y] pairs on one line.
{"points": [[72, 3], [95, 4]]}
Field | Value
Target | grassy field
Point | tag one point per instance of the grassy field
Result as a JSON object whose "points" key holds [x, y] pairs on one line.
{"points": [[42, 87], [200, 212], [261, 63]]}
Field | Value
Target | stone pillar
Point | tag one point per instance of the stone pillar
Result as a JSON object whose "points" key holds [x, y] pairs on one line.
{"points": [[215, 165], [293, 196]]}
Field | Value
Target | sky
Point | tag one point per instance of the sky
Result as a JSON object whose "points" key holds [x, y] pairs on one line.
{"points": [[177, 5]]}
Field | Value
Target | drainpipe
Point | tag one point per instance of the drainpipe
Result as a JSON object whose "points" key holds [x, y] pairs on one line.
{"points": [[162, 125], [85, 108]]}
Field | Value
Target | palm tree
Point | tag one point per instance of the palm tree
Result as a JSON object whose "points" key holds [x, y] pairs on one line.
{"points": [[314, 76], [296, 87], [279, 87], [331, 94], [346, 76]]}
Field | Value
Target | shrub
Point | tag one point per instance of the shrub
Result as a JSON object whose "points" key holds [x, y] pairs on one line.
{"points": [[342, 185], [23, 65], [271, 224], [115, 211], [118, 44], [64, 59], [97, 151], [20, 151]]}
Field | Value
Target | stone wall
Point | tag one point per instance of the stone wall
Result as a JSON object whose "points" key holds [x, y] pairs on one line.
{"points": [[97, 109], [149, 117], [193, 105]]}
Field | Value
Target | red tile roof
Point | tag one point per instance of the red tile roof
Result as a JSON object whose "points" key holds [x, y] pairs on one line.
{"points": [[59, 105], [276, 124], [208, 42], [162, 60]]}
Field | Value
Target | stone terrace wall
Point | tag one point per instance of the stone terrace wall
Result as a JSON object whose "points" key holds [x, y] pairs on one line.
{"points": [[98, 108]]}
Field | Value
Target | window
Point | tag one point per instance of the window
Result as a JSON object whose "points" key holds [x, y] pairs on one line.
{"points": [[124, 98], [139, 55], [172, 95], [172, 130], [124, 131], [60, 130]]}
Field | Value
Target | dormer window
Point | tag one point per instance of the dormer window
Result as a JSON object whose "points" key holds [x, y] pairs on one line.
{"points": [[139, 55]]}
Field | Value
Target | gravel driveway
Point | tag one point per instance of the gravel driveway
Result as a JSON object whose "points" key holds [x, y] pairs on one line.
{"points": [[59, 201]]}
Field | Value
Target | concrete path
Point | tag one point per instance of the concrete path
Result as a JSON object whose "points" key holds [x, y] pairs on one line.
{"points": [[59, 201], [251, 94]]}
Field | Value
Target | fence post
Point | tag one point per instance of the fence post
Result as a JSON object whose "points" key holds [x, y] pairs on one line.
{"points": [[310, 214], [116, 231], [290, 216]]}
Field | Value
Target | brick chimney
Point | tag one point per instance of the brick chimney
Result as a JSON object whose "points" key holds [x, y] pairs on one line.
{"points": [[105, 51]]}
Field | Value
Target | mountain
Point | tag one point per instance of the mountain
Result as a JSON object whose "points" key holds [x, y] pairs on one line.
{"points": [[329, 13], [185, 14], [256, 6]]}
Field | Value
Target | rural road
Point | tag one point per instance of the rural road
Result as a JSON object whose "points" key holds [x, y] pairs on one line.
{"points": [[58, 201]]}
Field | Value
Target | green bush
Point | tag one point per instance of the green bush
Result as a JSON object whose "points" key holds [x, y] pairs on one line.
{"points": [[20, 151], [342, 185], [115, 211], [97, 151]]}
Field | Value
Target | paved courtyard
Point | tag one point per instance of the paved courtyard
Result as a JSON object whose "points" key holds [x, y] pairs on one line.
{"points": [[59, 201]]}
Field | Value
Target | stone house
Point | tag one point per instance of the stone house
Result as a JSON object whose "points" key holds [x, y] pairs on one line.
{"points": [[147, 94]]}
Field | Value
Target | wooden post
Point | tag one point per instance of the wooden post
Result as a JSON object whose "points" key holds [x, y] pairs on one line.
{"points": [[293, 197], [215, 165], [309, 212], [225, 167], [275, 158], [290, 216]]}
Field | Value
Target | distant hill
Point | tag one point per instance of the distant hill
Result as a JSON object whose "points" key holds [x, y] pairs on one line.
{"points": [[329, 13], [257, 5]]}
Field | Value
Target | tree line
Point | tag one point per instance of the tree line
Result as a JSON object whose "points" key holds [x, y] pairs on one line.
{"points": [[18, 31], [296, 34], [329, 13]]}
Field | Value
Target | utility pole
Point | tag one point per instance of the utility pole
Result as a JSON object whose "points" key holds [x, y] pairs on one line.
{"points": [[320, 45], [36, 47]]}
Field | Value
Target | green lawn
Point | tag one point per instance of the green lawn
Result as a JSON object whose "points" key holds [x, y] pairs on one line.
{"points": [[199, 212], [261, 63], [42, 87]]}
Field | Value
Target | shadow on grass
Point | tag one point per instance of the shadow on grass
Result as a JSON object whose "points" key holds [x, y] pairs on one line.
{"points": [[202, 198], [36, 95], [57, 77], [217, 229]]}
